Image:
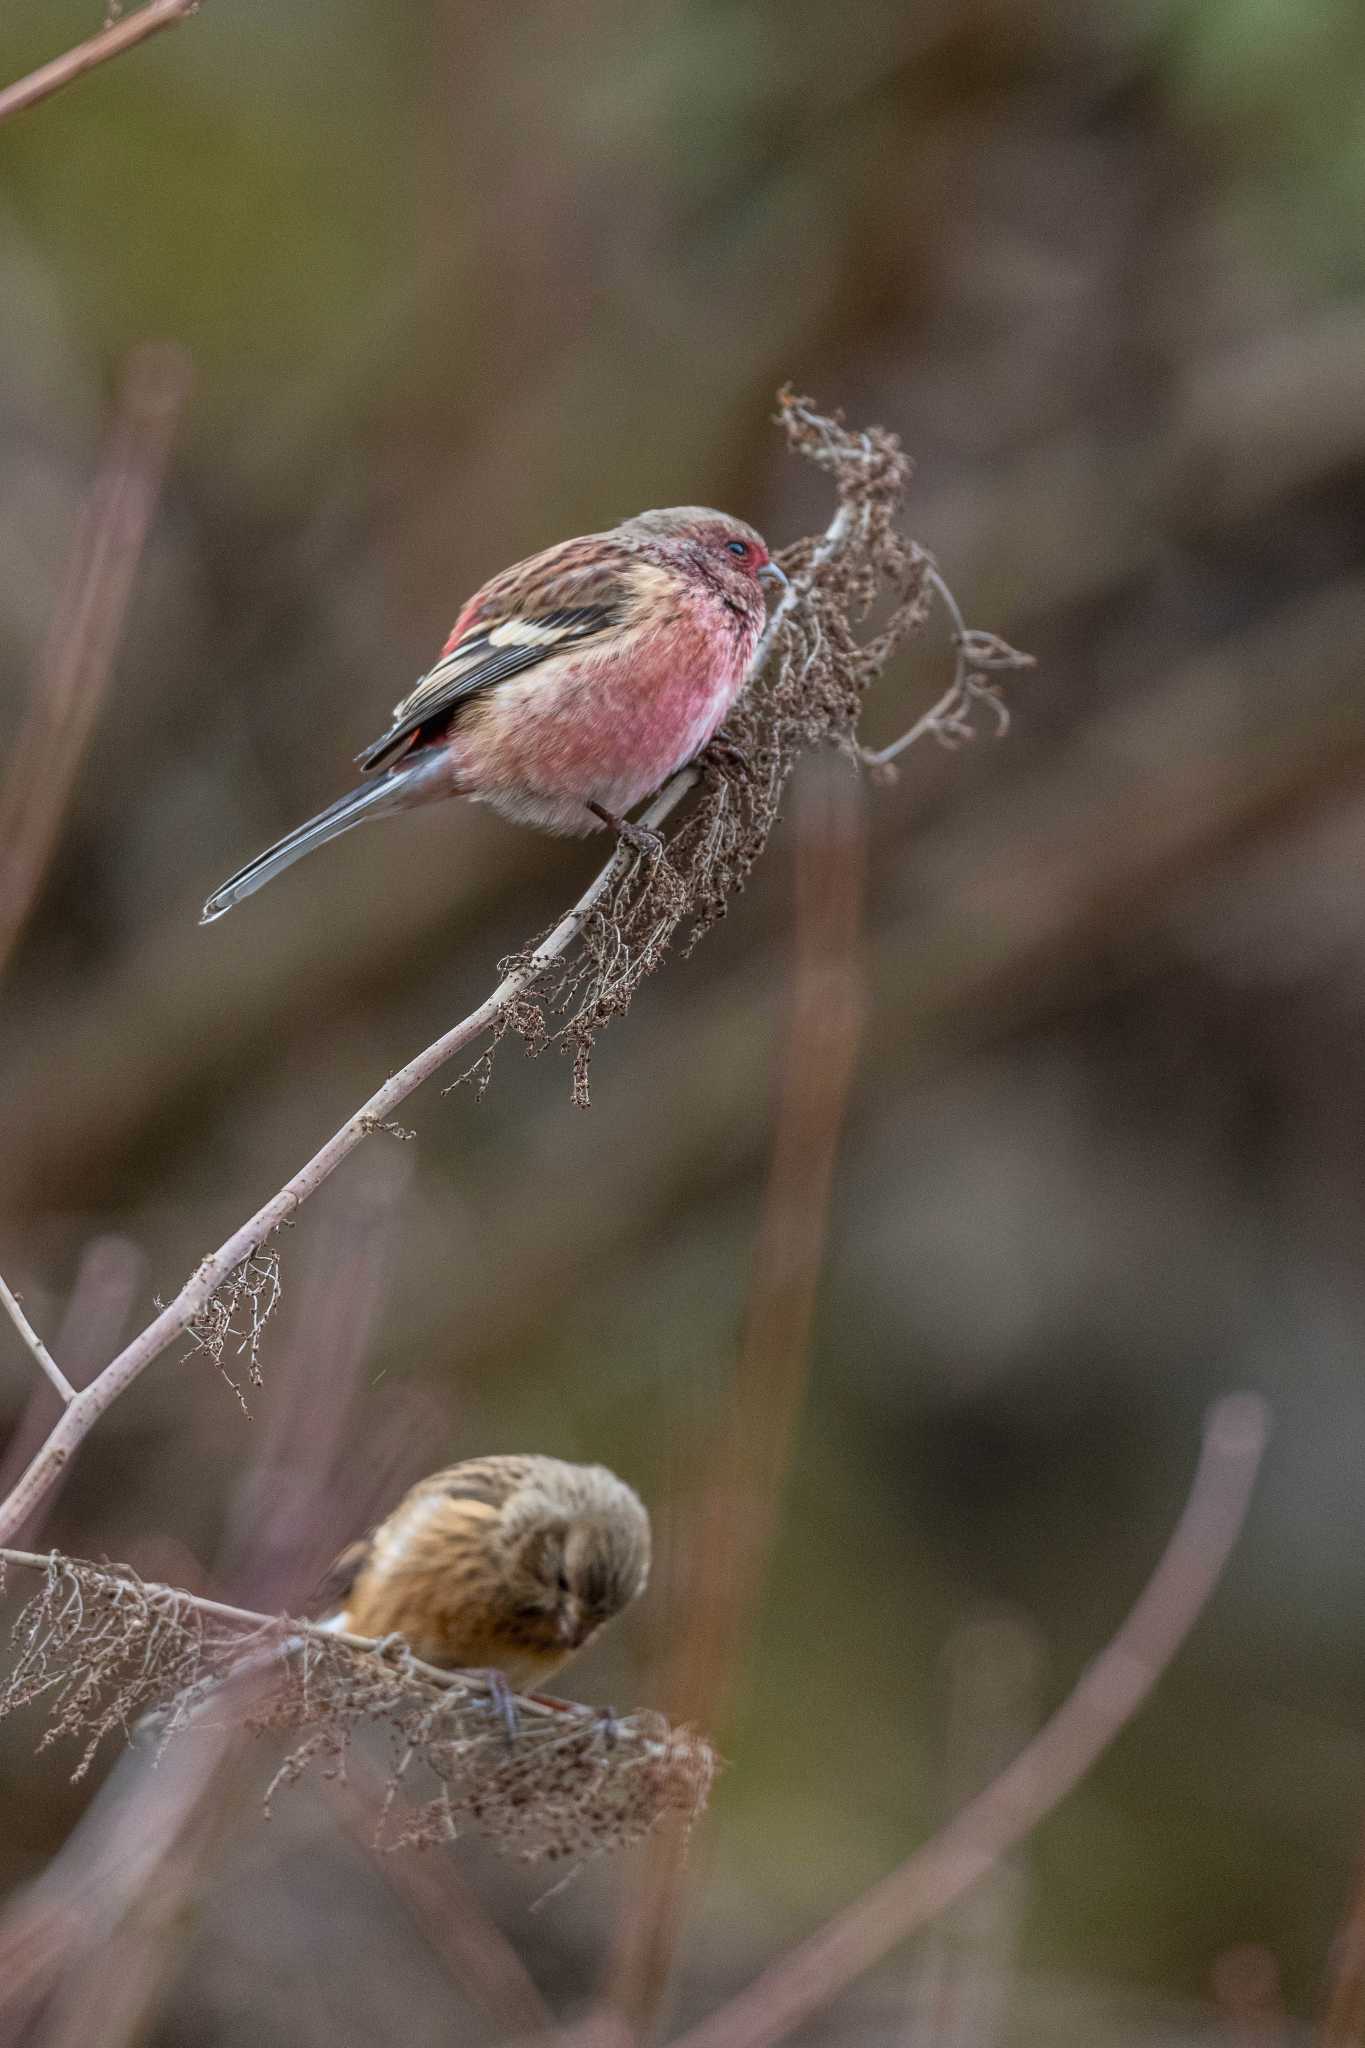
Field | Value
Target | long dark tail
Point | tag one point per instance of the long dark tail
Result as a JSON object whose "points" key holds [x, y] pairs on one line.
{"points": [[396, 791]]}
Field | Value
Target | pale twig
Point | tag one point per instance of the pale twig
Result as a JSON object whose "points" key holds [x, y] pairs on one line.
{"points": [[162, 1816], [979, 656], [85, 1410], [1045, 1771], [108, 1276], [281, 1646], [98, 49], [78, 657], [36, 1346], [106, 1651]]}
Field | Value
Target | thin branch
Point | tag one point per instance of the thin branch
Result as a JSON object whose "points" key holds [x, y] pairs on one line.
{"points": [[979, 656], [98, 49], [1045, 1771], [541, 1706], [105, 1651], [78, 658], [85, 1410], [35, 1343], [108, 1277]]}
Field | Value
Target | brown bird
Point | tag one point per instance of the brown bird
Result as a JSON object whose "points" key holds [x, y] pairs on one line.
{"points": [[507, 1564]]}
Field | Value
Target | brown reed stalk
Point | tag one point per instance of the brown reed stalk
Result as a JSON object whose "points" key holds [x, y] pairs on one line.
{"points": [[77, 660], [1105, 1699], [746, 1461]]}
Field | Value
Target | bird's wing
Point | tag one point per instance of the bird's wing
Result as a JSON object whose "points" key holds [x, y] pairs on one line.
{"points": [[538, 609], [333, 1589], [488, 1480]]}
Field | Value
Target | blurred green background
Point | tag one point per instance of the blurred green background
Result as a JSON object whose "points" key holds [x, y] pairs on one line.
{"points": [[456, 281]]}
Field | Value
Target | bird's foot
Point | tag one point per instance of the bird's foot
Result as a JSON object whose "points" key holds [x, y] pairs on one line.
{"points": [[503, 1702], [725, 757], [393, 1647], [609, 1722], [641, 839]]}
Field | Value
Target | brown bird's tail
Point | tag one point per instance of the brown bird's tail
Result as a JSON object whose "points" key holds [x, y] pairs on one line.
{"points": [[426, 776]]}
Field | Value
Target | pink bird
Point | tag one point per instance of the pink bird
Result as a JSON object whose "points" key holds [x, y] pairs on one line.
{"points": [[571, 687]]}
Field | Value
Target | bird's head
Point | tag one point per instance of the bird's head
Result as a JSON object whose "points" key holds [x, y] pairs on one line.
{"points": [[724, 550], [578, 1552]]}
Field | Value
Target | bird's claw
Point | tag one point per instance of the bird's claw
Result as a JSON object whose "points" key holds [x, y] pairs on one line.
{"points": [[728, 759], [641, 839], [609, 1723], [503, 1702]]}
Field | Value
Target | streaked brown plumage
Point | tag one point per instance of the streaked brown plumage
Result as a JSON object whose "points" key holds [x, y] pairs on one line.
{"points": [[506, 1564]]}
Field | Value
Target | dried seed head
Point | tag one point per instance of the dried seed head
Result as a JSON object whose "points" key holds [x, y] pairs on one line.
{"points": [[98, 1648]]}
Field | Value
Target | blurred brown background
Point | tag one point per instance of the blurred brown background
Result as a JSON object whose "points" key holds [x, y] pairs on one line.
{"points": [[456, 281]]}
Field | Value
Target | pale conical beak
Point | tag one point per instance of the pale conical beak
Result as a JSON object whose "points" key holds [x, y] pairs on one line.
{"points": [[571, 1624], [770, 573]]}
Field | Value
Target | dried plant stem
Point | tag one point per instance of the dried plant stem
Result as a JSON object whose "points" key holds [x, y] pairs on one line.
{"points": [[86, 1408], [78, 658], [249, 1618], [283, 1637], [108, 1277], [104, 1651], [980, 657], [98, 49], [1046, 1770], [36, 1346]]}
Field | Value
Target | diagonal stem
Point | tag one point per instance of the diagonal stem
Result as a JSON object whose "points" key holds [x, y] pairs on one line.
{"points": [[98, 49], [35, 1344]]}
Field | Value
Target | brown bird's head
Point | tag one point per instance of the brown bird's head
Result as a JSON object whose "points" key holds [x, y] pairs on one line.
{"points": [[576, 1543], [730, 556]]}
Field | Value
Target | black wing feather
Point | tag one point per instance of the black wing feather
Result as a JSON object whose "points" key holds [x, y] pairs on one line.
{"points": [[330, 1594], [461, 674]]}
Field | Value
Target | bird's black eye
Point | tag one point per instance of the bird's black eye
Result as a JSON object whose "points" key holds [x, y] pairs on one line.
{"points": [[563, 1582], [737, 547]]}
